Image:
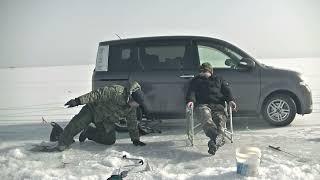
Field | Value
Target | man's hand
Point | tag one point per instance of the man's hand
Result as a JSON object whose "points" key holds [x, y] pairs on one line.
{"points": [[233, 105], [138, 143], [72, 103], [190, 104]]}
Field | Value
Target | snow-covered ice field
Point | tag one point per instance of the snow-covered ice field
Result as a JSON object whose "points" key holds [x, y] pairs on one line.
{"points": [[27, 94]]}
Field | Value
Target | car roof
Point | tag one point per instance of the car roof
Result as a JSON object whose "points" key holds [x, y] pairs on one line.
{"points": [[153, 38], [164, 38]]}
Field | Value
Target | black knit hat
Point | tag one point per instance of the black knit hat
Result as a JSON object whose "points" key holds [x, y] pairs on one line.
{"points": [[206, 67], [138, 97]]}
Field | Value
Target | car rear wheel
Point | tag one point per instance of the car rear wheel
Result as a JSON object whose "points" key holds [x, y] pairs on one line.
{"points": [[279, 110]]}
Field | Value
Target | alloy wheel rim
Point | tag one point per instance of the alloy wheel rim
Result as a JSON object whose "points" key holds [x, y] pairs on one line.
{"points": [[278, 110]]}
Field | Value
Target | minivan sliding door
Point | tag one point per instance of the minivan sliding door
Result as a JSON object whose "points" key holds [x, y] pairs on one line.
{"points": [[162, 74]]}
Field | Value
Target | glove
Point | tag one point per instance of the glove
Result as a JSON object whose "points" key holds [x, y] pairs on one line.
{"points": [[233, 105], [190, 104], [73, 103], [138, 143]]}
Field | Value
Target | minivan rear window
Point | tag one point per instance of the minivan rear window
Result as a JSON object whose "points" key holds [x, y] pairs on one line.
{"points": [[102, 58], [167, 57], [121, 57]]}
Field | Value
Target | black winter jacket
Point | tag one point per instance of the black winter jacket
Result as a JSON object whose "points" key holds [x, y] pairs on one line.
{"points": [[212, 90]]}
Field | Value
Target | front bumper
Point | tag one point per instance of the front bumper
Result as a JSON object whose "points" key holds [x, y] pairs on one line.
{"points": [[306, 99]]}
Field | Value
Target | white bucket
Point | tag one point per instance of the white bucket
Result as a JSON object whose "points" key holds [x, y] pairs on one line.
{"points": [[248, 160]]}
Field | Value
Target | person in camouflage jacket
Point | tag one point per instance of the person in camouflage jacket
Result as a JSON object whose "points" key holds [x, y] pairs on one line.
{"points": [[104, 107]]}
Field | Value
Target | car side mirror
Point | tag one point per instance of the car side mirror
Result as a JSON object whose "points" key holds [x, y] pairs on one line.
{"points": [[228, 62], [246, 63]]}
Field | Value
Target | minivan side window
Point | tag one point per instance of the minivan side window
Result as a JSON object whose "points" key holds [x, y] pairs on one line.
{"points": [[120, 58], [218, 56], [162, 57], [102, 58]]}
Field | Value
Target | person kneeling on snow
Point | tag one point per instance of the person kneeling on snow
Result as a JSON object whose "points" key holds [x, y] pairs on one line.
{"points": [[209, 92], [104, 107]]}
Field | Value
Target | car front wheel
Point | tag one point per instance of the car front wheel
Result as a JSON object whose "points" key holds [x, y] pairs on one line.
{"points": [[279, 110]]}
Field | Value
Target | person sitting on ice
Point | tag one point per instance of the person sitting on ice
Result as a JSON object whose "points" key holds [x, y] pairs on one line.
{"points": [[208, 93]]}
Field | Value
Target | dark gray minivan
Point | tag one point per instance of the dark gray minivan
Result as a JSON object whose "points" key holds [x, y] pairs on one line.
{"points": [[164, 66]]}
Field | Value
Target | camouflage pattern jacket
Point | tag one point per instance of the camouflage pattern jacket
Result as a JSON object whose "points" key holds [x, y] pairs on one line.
{"points": [[109, 104]]}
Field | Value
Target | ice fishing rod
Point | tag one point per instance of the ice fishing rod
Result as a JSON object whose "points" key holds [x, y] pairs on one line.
{"points": [[122, 174], [140, 161], [299, 158], [278, 149]]}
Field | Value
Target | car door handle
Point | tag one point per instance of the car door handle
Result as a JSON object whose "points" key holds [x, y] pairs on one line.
{"points": [[186, 76]]}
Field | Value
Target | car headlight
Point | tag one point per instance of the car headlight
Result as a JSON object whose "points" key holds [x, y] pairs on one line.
{"points": [[304, 80], [303, 83]]}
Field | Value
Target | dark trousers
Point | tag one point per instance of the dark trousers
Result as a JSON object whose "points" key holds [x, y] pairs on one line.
{"points": [[212, 118], [103, 133], [100, 135]]}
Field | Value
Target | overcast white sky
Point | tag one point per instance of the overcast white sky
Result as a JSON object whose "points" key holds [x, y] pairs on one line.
{"points": [[59, 32]]}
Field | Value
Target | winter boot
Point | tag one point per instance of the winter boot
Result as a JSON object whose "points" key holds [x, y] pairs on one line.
{"points": [[55, 132], [212, 147]]}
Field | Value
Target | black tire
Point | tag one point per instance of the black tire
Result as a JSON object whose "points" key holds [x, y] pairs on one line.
{"points": [[279, 110], [122, 125]]}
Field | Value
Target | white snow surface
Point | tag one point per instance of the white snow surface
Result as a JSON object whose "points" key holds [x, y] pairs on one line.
{"points": [[28, 94]]}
